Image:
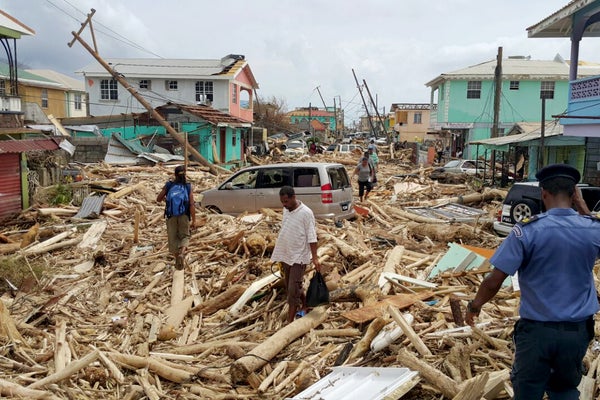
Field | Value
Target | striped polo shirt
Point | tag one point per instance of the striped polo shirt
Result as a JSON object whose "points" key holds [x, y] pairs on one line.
{"points": [[298, 230]]}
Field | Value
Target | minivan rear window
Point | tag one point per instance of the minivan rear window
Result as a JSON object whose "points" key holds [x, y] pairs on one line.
{"points": [[306, 177], [338, 178]]}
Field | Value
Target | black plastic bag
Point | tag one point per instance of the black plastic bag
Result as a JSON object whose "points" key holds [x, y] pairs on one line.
{"points": [[317, 292]]}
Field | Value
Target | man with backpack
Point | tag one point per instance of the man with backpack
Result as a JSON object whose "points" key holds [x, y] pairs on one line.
{"points": [[179, 210]]}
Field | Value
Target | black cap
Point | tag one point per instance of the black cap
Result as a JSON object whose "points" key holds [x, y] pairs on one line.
{"points": [[556, 171]]}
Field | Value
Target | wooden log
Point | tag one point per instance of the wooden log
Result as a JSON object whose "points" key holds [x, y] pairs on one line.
{"points": [[152, 364], [114, 370], [60, 245], [301, 367], [8, 328], [474, 388], [448, 387], [65, 373], [92, 235], [62, 353], [364, 343], [14, 390], [265, 351], [250, 291], [409, 332], [281, 367], [175, 315], [393, 258], [40, 247], [177, 287], [221, 301], [126, 191], [457, 314], [150, 390]]}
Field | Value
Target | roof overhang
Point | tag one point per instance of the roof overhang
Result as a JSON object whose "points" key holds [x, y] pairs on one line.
{"points": [[580, 13]]}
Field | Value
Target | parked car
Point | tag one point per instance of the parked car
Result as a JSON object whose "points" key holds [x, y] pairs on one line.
{"points": [[349, 148], [524, 199], [469, 167], [295, 147], [324, 187]]}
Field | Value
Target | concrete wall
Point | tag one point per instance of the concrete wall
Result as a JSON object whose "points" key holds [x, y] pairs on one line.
{"points": [[89, 149]]}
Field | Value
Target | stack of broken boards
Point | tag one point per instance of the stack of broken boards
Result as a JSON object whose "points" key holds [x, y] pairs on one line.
{"points": [[110, 318]]}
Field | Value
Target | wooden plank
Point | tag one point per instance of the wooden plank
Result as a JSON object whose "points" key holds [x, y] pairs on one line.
{"points": [[370, 312]]}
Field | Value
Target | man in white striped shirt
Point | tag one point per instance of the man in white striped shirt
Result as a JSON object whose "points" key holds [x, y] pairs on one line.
{"points": [[295, 246]]}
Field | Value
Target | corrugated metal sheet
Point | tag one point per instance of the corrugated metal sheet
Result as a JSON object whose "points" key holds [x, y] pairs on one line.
{"points": [[10, 185], [91, 207], [361, 383], [24, 146]]}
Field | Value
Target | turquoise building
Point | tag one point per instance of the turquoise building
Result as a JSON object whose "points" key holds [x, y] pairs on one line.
{"points": [[465, 99]]}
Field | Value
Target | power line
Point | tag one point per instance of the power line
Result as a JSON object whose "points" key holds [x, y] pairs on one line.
{"points": [[120, 37]]}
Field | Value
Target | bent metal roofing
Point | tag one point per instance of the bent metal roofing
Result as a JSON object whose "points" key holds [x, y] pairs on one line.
{"points": [[28, 145]]}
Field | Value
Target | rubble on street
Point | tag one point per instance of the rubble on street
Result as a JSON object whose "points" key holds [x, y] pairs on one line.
{"points": [[98, 311]]}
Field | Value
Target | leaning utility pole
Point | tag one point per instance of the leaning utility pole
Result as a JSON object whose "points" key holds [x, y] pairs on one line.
{"points": [[365, 104], [119, 78], [376, 110], [321, 96]]}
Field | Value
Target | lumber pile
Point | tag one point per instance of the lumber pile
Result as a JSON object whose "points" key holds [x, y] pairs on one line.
{"points": [[110, 318]]}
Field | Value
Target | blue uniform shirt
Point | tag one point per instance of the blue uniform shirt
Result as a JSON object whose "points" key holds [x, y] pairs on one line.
{"points": [[555, 254]]}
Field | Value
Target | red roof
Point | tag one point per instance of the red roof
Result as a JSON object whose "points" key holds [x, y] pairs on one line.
{"points": [[24, 146]]}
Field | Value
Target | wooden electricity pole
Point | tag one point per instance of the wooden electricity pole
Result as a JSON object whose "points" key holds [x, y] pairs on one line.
{"points": [[373, 132], [119, 78]]}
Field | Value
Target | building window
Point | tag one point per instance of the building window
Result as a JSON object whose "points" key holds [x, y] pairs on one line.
{"points": [[204, 91], [234, 139], [145, 84], [77, 101], [547, 90], [2, 88], [417, 118], [514, 85], [474, 90], [171, 85], [44, 98], [109, 89], [234, 97]]}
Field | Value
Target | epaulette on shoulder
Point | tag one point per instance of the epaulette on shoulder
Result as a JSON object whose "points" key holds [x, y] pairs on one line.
{"points": [[533, 218], [593, 216]]}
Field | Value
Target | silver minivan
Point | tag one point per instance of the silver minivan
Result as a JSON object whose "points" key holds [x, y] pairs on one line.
{"points": [[324, 187]]}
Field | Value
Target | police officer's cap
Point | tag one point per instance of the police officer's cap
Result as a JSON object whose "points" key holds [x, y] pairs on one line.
{"points": [[556, 171]]}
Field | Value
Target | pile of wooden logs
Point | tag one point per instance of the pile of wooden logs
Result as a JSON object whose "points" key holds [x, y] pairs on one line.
{"points": [[110, 317]]}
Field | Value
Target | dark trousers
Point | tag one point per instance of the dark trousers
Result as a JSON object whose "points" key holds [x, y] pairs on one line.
{"points": [[548, 358]]}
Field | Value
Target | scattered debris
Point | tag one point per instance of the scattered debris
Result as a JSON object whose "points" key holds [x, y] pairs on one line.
{"points": [[110, 317]]}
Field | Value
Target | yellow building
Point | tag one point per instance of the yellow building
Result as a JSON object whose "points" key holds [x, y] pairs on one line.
{"points": [[411, 120]]}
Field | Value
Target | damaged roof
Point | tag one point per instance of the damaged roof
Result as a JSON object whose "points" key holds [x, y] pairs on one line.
{"points": [[25, 146], [209, 114]]}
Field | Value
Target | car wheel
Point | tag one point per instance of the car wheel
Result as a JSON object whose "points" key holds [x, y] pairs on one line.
{"points": [[523, 209], [214, 209]]}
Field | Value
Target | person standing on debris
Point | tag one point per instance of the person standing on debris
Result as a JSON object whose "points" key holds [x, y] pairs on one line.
{"points": [[372, 146], [366, 174], [554, 254], [179, 210], [295, 247]]}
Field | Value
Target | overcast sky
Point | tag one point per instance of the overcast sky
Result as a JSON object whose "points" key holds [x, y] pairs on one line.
{"points": [[295, 46]]}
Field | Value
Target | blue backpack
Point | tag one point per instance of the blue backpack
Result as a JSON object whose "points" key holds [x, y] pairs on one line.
{"points": [[178, 199]]}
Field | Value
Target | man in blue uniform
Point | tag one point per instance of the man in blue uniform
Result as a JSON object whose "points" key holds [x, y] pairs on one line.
{"points": [[554, 253]]}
